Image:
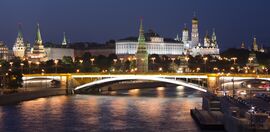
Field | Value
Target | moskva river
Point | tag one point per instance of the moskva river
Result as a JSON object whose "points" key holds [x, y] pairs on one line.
{"points": [[155, 109]]}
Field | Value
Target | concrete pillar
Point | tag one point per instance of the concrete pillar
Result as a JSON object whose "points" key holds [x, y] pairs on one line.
{"points": [[213, 83]]}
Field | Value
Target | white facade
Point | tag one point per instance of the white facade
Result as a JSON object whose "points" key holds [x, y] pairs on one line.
{"points": [[155, 46], [19, 46], [198, 50], [3, 51], [38, 53], [193, 46], [59, 53]]}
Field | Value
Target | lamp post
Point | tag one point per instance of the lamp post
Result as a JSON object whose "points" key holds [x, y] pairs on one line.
{"points": [[92, 61], [205, 59], [56, 62], [153, 59], [250, 59], [160, 69], [114, 61], [22, 67], [215, 69], [187, 59], [38, 63], [121, 59], [251, 107], [29, 66], [198, 69], [234, 60], [11, 64]]}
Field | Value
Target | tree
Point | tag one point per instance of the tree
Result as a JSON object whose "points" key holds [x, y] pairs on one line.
{"points": [[14, 79], [67, 60]]}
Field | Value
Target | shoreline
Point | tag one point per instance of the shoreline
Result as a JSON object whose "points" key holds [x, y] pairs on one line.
{"points": [[31, 95]]}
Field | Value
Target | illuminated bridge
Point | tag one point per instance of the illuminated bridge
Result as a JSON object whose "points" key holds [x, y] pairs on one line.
{"points": [[198, 81]]}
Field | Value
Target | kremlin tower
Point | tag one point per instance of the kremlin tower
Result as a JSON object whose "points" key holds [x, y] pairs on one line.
{"points": [[38, 54], [255, 46], [19, 46], [64, 42], [194, 32], [141, 54]]}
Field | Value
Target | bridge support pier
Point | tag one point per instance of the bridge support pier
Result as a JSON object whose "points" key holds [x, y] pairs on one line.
{"points": [[212, 83]]}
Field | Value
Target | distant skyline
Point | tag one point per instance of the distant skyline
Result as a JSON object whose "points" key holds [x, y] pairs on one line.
{"points": [[101, 20]]}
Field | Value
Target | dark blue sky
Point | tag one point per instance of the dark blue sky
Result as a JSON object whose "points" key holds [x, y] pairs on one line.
{"points": [[100, 20]]}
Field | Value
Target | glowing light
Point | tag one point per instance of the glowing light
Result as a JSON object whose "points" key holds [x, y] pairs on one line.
{"points": [[160, 88], [134, 92], [179, 88]]}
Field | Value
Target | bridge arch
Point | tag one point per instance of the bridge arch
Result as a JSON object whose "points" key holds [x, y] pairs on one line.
{"points": [[136, 77]]}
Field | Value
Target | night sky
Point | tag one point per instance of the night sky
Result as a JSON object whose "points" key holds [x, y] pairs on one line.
{"points": [[100, 20]]}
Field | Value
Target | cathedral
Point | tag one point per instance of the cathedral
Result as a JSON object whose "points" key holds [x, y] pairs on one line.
{"points": [[188, 44], [193, 46]]}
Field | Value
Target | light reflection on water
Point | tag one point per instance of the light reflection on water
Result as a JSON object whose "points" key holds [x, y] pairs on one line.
{"points": [[163, 110]]}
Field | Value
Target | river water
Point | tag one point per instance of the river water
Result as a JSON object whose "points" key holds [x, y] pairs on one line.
{"points": [[155, 109]]}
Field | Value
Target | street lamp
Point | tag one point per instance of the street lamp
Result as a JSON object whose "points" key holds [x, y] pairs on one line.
{"points": [[198, 69], [114, 61], [10, 63], [232, 69], [121, 59], [81, 61], [160, 69], [252, 109], [92, 61], [38, 63], [234, 60], [29, 64], [153, 59], [215, 69], [22, 67], [205, 59], [173, 59], [250, 59], [56, 62]]}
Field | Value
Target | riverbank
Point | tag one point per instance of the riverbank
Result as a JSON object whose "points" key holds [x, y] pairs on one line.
{"points": [[30, 95]]}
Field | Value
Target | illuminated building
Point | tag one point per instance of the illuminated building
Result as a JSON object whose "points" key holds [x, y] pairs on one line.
{"points": [[54, 53], [210, 46], [172, 47], [3, 51], [19, 46], [194, 32], [193, 46], [38, 52], [154, 45]]}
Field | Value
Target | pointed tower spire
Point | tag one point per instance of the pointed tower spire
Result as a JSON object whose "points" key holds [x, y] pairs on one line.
{"points": [[255, 46], [185, 27], [141, 54], [64, 42], [38, 35], [214, 38], [19, 46], [20, 35], [141, 32], [243, 45]]}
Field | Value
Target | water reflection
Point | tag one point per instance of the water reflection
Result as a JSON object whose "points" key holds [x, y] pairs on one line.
{"points": [[134, 92], [160, 92], [156, 109]]}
